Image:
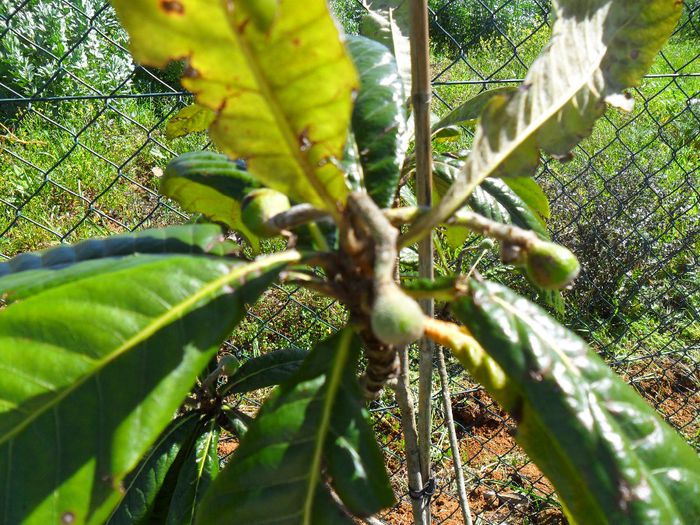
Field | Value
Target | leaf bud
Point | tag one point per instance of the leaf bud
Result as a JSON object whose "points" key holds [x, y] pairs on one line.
{"points": [[486, 244], [228, 364]]}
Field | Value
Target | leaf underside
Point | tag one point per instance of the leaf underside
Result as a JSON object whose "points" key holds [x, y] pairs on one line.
{"points": [[471, 109], [190, 119], [598, 49]]}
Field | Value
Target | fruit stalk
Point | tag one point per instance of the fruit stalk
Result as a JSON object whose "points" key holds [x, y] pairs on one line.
{"points": [[296, 216]]}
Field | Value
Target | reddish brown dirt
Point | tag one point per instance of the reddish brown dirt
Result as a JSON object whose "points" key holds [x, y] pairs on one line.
{"points": [[670, 387], [509, 489], [445, 510], [226, 447]]}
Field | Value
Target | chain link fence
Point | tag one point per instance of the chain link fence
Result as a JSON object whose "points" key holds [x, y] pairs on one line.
{"points": [[82, 145]]}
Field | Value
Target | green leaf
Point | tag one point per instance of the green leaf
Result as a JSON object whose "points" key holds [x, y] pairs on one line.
{"points": [[210, 184], [196, 475], [31, 273], [598, 49], [493, 198], [409, 257], [282, 96], [408, 198], [95, 369], [354, 460], [531, 194], [551, 298], [441, 288], [318, 236], [447, 134], [456, 236], [275, 474], [471, 109], [389, 23], [190, 119], [267, 370], [610, 456], [378, 119], [143, 485], [351, 164]]}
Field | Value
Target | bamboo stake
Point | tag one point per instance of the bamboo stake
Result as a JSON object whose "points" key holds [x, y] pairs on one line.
{"points": [[454, 444], [404, 399], [420, 97]]}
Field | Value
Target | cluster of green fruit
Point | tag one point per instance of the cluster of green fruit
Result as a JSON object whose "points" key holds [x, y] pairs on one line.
{"points": [[396, 318]]}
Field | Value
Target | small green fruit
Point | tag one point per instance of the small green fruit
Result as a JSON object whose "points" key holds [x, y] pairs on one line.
{"points": [[259, 206], [396, 318], [550, 265], [228, 365], [486, 244]]}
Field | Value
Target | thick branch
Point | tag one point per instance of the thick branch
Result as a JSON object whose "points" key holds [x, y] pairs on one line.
{"points": [[312, 283], [470, 220], [296, 216], [405, 215], [496, 230], [383, 234]]}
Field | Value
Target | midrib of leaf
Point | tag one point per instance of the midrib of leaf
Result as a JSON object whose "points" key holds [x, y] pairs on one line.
{"points": [[534, 414], [287, 131], [200, 469], [458, 193], [541, 335], [154, 326], [334, 380]]}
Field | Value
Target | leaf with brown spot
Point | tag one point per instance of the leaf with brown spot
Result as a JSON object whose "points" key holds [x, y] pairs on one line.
{"points": [[269, 87]]}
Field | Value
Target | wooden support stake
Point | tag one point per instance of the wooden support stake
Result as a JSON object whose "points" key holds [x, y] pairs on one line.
{"points": [[420, 98]]}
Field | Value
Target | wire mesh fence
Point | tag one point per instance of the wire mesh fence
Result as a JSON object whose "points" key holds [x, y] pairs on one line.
{"points": [[82, 145]]}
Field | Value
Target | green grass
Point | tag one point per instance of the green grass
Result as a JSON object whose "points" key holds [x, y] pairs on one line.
{"points": [[83, 169]]}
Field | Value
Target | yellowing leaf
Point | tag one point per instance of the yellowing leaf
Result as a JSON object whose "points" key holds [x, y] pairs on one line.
{"points": [[189, 119], [282, 96]]}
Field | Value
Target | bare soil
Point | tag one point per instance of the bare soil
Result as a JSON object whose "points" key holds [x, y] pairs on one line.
{"points": [[672, 387]]}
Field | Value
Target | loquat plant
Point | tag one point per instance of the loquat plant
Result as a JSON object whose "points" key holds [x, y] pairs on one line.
{"points": [[111, 399]]}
